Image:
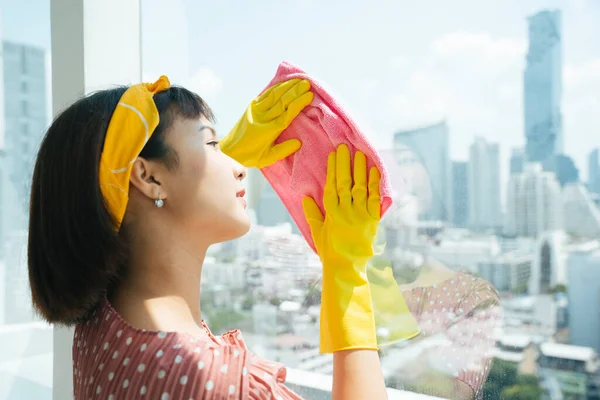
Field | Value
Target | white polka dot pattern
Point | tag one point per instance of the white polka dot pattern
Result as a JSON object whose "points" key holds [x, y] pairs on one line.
{"points": [[113, 360], [466, 314]]}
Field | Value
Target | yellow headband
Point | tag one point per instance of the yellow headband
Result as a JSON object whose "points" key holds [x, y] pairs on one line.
{"points": [[130, 128]]}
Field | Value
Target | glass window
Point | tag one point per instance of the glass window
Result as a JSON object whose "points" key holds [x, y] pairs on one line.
{"points": [[483, 118], [25, 341]]}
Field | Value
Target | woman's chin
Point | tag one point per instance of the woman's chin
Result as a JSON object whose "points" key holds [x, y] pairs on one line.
{"points": [[235, 229]]}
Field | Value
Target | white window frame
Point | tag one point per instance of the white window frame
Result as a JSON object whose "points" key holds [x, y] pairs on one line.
{"points": [[96, 44]]}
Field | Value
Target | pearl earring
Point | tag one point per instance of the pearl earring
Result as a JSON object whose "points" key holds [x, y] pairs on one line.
{"points": [[159, 202]]}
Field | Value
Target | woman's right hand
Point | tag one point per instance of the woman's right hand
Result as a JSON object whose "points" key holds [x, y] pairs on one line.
{"points": [[344, 240], [251, 142]]}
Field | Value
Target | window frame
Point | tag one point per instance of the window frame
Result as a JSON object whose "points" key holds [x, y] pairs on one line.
{"points": [[87, 57]]}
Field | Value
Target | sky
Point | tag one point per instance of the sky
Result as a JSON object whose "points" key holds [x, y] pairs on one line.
{"points": [[394, 64]]}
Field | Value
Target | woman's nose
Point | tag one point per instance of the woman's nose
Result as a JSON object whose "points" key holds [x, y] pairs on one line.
{"points": [[239, 171]]}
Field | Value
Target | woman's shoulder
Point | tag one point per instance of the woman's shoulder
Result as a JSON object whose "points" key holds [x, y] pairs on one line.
{"points": [[106, 349], [107, 327]]}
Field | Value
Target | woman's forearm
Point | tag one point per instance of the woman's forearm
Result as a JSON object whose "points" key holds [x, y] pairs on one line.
{"points": [[357, 375]]}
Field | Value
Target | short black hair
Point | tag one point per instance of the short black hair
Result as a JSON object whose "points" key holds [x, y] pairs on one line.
{"points": [[74, 251]]}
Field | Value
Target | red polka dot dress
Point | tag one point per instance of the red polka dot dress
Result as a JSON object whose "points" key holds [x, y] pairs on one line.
{"points": [[113, 360]]}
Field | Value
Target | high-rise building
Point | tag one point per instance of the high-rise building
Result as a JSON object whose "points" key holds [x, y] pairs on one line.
{"points": [[508, 272], [549, 266], [268, 207], [460, 193], [517, 161], [580, 211], [594, 171], [584, 294], [534, 202], [484, 185], [543, 87], [25, 120], [425, 153], [563, 167]]}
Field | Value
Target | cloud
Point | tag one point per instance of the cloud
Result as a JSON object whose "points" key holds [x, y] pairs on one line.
{"points": [[430, 98], [205, 82], [486, 52], [398, 62], [581, 103], [466, 74], [473, 81], [576, 76]]}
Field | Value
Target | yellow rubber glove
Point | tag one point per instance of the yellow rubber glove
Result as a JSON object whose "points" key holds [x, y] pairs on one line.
{"points": [[344, 242], [251, 142], [394, 321]]}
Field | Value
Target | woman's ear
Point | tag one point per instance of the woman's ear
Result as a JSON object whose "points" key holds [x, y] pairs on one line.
{"points": [[146, 177]]}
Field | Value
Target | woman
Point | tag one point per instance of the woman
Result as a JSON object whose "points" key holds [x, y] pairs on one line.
{"points": [[130, 188]]}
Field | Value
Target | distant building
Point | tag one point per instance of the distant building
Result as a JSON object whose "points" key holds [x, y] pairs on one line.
{"points": [[584, 296], [549, 262], [484, 185], [534, 202], [509, 272], [567, 370], [563, 167], [460, 193], [594, 171], [580, 211], [426, 151], [26, 116], [531, 315], [517, 161], [543, 87], [268, 207]]}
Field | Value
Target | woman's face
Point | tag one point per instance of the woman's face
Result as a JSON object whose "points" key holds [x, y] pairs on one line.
{"points": [[205, 190]]}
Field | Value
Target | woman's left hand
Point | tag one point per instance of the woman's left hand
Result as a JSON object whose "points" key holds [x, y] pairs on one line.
{"points": [[252, 141]]}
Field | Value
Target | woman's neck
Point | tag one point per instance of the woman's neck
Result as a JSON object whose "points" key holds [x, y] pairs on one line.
{"points": [[161, 288]]}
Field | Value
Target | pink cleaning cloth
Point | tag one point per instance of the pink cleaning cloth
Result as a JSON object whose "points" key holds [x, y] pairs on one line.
{"points": [[321, 127]]}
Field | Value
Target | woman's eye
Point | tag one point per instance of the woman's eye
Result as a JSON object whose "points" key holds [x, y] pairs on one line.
{"points": [[213, 143]]}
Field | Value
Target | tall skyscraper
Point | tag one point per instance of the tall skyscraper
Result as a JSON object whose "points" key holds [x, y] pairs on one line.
{"points": [[517, 161], [543, 87], [534, 202], [484, 185], [594, 171], [425, 152], [25, 120], [460, 193]]}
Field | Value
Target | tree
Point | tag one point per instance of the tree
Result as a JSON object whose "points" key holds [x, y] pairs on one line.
{"points": [[528, 380], [503, 374], [248, 303], [518, 392], [505, 383], [276, 301], [521, 289], [558, 288], [313, 296], [223, 319]]}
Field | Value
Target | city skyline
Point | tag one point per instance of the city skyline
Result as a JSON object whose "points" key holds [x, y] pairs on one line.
{"points": [[445, 92], [473, 56]]}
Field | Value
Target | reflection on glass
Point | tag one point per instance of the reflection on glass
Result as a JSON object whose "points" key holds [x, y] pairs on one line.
{"points": [[457, 314], [505, 84]]}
